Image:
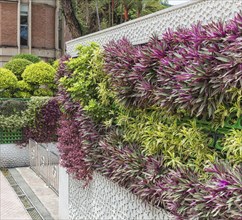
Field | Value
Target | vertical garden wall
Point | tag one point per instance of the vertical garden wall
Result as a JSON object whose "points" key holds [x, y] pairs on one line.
{"points": [[159, 117]]}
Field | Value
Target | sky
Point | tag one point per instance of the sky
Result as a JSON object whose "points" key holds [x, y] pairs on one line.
{"points": [[177, 2]]}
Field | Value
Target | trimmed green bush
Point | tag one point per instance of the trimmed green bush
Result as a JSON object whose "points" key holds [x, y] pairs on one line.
{"points": [[8, 82], [23, 86], [22, 94], [23, 90], [39, 73], [17, 66], [30, 57]]}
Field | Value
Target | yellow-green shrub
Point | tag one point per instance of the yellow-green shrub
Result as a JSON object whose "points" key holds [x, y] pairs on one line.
{"points": [[233, 146], [8, 82], [40, 76], [159, 133], [32, 58], [17, 66], [39, 73]]}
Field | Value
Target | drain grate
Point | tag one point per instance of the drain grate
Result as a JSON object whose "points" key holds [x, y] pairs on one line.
{"points": [[17, 189], [34, 214]]}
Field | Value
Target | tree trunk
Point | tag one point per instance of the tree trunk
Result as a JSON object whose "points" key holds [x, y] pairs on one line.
{"points": [[87, 12], [71, 20], [112, 12], [126, 13], [98, 18]]}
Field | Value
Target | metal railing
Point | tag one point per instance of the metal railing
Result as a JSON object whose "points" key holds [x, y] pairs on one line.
{"points": [[45, 163]]}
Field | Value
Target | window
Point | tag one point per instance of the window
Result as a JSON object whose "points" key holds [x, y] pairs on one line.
{"points": [[24, 25]]}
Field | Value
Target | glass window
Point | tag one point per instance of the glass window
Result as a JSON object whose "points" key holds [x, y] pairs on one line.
{"points": [[24, 25]]}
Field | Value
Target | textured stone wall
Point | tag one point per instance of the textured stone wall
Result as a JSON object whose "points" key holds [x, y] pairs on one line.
{"points": [[103, 199], [140, 30]]}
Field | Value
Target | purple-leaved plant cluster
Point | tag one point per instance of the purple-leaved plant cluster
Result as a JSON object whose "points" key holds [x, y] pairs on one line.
{"points": [[45, 126], [76, 134], [194, 69]]}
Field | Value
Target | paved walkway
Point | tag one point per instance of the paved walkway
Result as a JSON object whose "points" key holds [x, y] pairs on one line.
{"points": [[11, 208], [47, 197]]}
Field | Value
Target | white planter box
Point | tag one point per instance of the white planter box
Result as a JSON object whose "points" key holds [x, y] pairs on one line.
{"points": [[12, 155], [103, 199]]}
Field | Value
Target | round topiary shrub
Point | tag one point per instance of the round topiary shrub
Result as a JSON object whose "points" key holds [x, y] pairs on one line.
{"points": [[32, 58], [39, 74], [8, 82], [17, 66]]}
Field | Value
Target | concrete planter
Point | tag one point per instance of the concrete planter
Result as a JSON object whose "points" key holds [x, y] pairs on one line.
{"points": [[12, 155], [102, 199]]}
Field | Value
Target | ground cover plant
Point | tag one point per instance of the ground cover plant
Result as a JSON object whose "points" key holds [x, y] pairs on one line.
{"points": [[150, 122]]}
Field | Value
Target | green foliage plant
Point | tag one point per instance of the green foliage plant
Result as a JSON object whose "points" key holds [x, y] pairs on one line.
{"points": [[55, 64], [23, 90], [21, 119], [89, 84], [228, 115], [232, 146], [17, 66], [8, 82], [40, 76], [12, 106], [32, 58], [160, 133]]}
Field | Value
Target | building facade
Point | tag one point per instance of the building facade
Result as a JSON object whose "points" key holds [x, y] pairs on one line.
{"points": [[30, 26]]}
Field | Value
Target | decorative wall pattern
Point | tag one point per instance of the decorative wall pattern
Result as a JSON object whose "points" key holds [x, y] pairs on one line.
{"points": [[140, 30], [103, 199], [12, 155]]}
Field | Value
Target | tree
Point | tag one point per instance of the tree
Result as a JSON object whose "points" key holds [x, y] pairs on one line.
{"points": [[88, 16], [70, 17]]}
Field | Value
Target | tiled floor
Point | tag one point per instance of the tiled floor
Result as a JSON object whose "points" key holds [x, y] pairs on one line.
{"points": [[11, 208]]}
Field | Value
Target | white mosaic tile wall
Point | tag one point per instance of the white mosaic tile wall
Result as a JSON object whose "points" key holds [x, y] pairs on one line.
{"points": [[12, 155], [140, 30], [103, 199]]}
